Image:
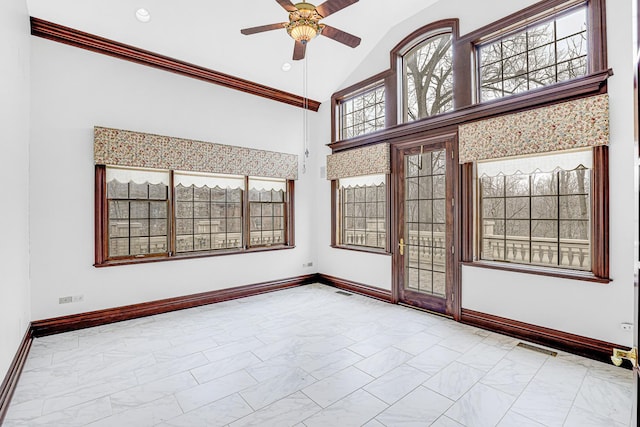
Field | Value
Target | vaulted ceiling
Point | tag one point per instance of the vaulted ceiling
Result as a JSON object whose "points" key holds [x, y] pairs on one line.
{"points": [[207, 33]]}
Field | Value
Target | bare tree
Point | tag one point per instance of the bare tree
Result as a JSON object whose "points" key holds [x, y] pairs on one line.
{"points": [[550, 52], [429, 83]]}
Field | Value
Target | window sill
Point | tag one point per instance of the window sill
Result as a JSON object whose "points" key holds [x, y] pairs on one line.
{"points": [[362, 249], [148, 259], [584, 276]]}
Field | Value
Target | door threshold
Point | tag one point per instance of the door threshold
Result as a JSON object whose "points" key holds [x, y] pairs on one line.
{"points": [[446, 316]]}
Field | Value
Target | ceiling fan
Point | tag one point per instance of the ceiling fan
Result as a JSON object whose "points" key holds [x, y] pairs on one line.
{"points": [[304, 24]]}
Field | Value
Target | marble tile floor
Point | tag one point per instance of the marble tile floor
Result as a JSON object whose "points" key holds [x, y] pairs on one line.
{"points": [[309, 356]]}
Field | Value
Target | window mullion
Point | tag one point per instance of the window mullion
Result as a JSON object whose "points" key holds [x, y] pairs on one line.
{"points": [[558, 215], [504, 215], [171, 215], [246, 218], [530, 219]]}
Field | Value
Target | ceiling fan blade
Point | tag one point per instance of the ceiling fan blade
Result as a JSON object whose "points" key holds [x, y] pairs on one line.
{"points": [[287, 5], [332, 6], [262, 28], [298, 50], [340, 36]]}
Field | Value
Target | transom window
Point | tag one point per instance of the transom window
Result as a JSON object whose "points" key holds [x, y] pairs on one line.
{"points": [[363, 207], [537, 210], [362, 113], [428, 78], [544, 53]]}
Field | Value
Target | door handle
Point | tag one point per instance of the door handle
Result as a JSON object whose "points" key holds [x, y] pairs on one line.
{"points": [[401, 245], [619, 355]]}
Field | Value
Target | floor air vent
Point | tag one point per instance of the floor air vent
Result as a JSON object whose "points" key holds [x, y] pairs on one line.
{"points": [[538, 349], [347, 294]]}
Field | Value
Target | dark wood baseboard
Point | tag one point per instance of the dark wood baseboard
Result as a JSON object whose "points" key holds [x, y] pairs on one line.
{"points": [[575, 344], [13, 374], [359, 288], [102, 317]]}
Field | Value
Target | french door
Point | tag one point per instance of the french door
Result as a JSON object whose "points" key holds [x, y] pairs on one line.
{"points": [[425, 267]]}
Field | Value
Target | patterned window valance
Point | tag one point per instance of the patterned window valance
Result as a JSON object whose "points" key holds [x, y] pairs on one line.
{"points": [[580, 123], [135, 149], [371, 160]]}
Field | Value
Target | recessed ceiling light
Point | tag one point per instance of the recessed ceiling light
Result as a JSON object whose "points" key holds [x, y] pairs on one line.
{"points": [[286, 66], [143, 15]]}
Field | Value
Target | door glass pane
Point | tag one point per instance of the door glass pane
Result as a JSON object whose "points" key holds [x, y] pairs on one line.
{"points": [[425, 230]]}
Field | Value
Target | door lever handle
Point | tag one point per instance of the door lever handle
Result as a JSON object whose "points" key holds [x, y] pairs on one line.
{"points": [[401, 245], [630, 355]]}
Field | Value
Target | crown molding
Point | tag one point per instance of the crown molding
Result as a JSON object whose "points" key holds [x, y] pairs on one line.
{"points": [[73, 37]]}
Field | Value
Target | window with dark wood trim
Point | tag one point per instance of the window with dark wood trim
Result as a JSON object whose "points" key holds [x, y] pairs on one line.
{"points": [[427, 76], [385, 112], [363, 112], [535, 214], [208, 212], [138, 213], [551, 50], [150, 215], [363, 213], [360, 210], [552, 222], [465, 76], [267, 212], [467, 109]]}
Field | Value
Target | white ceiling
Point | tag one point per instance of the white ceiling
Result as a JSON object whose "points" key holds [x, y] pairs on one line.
{"points": [[207, 33]]}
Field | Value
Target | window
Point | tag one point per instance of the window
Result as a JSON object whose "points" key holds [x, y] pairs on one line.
{"points": [[544, 53], [141, 216], [137, 212], [267, 209], [428, 78], [537, 210], [363, 211], [208, 212], [362, 113]]}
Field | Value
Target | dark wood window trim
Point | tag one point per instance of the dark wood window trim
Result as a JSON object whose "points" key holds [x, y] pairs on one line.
{"points": [[286, 215], [335, 211], [101, 232], [595, 82], [599, 227], [596, 26], [362, 249], [418, 36], [592, 84], [339, 96], [596, 32], [561, 274], [73, 37]]}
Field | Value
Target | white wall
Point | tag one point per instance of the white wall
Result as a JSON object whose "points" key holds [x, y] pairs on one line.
{"points": [[588, 309], [583, 308], [14, 173], [361, 267], [73, 90]]}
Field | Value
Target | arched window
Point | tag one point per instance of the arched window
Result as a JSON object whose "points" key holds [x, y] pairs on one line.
{"points": [[427, 76]]}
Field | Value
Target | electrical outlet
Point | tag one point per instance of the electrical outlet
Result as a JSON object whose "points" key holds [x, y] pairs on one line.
{"points": [[626, 326], [309, 264], [65, 300]]}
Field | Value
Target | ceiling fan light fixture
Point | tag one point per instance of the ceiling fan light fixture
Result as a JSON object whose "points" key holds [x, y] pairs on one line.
{"points": [[303, 30], [304, 24]]}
